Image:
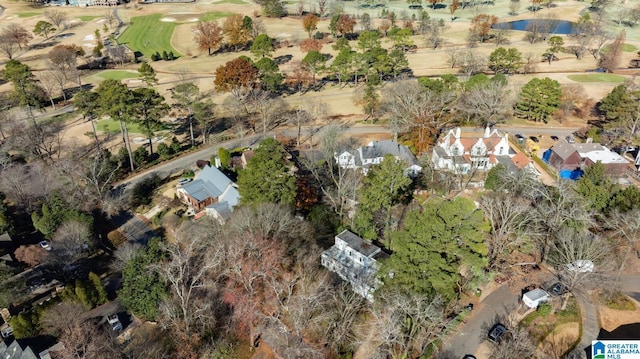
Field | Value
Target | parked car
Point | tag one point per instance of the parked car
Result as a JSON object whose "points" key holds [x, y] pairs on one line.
{"points": [[468, 356], [558, 289], [114, 321], [570, 139], [581, 266], [555, 138], [534, 139], [183, 181], [496, 332], [45, 244]]}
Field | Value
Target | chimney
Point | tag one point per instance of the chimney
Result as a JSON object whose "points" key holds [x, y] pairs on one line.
{"points": [[457, 132], [487, 132]]}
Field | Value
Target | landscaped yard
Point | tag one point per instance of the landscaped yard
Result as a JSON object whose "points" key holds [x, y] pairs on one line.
{"points": [[236, 2], [148, 34], [596, 78]]}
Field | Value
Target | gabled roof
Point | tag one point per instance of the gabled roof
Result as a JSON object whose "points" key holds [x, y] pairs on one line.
{"points": [[520, 160], [211, 182], [380, 148], [563, 149], [360, 245], [14, 351]]}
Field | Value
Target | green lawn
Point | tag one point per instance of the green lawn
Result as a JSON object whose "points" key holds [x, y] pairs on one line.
{"points": [[148, 34], [597, 78], [27, 14], [625, 48], [109, 125], [117, 74], [215, 15], [88, 17]]}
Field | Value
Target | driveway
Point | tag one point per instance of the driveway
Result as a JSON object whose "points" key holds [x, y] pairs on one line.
{"points": [[497, 306]]}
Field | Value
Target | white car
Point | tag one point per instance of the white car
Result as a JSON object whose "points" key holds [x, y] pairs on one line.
{"points": [[45, 245], [115, 323], [183, 181], [581, 266]]}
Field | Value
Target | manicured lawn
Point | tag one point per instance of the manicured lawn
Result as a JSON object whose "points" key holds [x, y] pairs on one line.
{"points": [[625, 48], [117, 75], [148, 34], [87, 17], [109, 125], [596, 78], [215, 15], [27, 14]]}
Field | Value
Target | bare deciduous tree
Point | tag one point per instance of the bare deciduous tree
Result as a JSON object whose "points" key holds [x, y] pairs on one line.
{"points": [[31, 255], [518, 343], [62, 317], [57, 17], [487, 104], [509, 217], [85, 340], [17, 34]]}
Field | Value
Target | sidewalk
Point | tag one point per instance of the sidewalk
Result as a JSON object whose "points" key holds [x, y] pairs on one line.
{"points": [[590, 325]]}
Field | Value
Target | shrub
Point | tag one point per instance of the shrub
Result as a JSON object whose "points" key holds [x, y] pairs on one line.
{"points": [[544, 309]]}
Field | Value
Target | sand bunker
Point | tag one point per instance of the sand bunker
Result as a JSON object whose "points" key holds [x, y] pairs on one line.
{"points": [[193, 19], [90, 37], [167, 19]]}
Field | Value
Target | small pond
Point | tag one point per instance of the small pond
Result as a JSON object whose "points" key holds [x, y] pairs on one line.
{"points": [[560, 27]]}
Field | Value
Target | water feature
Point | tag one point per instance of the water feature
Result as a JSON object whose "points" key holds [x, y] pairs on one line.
{"points": [[560, 27]]}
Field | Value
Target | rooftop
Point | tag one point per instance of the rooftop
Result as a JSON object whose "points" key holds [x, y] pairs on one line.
{"points": [[354, 241]]}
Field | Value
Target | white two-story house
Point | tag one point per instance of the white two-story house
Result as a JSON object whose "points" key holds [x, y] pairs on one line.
{"points": [[355, 260], [372, 154], [460, 154]]}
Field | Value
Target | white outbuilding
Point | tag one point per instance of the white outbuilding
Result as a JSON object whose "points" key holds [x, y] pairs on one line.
{"points": [[534, 297]]}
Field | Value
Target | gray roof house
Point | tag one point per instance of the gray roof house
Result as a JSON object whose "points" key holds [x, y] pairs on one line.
{"points": [[15, 351], [355, 261], [211, 193], [373, 153]]}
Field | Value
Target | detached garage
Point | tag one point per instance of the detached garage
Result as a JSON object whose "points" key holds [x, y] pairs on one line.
{"points": [[534, 297]]}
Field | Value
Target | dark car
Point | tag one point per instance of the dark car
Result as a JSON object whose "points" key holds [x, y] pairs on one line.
{"points": [[534, 139], [555, 138], [558, 289], [468, 356], [496, 332]]}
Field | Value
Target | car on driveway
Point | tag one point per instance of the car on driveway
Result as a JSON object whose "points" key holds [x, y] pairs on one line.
{"points": [[496, 332], [555, 138], [115, 323], [468, 356], [534, 139], [183, 181], [581, 266], [557, 289], [45, 245]]}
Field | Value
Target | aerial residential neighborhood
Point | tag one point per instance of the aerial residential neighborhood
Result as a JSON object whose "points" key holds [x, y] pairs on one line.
{"points": [[262, 179]]}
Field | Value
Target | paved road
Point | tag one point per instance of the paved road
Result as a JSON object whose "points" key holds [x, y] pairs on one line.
{"points": [[495, 307]]}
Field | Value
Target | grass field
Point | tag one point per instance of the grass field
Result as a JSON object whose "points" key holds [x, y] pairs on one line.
{"points": [[235, 2], [27, 14], [148, 34], [109, 125], [117, 75], [597, 78], [215, 15], [625, 48], [87, 18]]}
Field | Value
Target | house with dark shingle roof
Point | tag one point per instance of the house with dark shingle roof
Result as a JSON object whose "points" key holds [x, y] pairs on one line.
{"points": [[565, 156], [372, 154], [212, 192]]}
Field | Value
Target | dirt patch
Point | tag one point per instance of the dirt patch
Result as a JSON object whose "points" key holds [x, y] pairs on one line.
{"points": [[560, 340], [610, 319]]}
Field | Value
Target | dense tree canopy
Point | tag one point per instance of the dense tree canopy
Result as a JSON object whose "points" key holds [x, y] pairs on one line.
{"points": [[384, 186], [506, 61], [439, 241], [539, 99], [268, 177], [621, 110]]}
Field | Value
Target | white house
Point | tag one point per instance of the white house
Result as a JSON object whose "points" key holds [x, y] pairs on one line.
{"points": [[212, 192], [355, 260], [460, 154], [533, 298], [373, 153]]}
